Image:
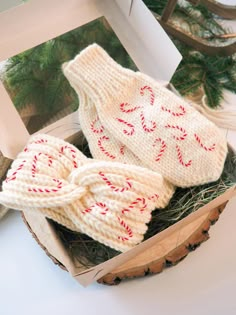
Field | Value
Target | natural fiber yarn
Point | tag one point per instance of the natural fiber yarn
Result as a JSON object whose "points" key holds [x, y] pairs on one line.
{"points": [[102, 144], [161, 129], [111, 202]]}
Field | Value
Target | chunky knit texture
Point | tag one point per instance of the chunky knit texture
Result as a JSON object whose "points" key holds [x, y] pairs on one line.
{"points": [[111, 202], [102, 144], [159, 128]]}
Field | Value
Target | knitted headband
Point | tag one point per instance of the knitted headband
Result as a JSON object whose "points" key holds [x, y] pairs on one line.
{"points": [[110, 202], [160, 129]]}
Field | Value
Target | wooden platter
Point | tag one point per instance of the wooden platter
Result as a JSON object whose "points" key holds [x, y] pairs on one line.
{"points": [[162, 255]]}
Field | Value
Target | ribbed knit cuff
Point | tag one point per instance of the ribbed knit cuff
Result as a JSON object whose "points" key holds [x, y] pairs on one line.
{"points": [[94, 72]]}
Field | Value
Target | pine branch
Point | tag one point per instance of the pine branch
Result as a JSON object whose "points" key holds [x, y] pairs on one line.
{"points": [[35, 76]]}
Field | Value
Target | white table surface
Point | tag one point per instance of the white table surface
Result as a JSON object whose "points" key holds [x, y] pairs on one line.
{"points": [[203, 283]]}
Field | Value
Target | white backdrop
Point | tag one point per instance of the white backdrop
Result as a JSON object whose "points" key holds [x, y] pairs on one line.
{"points": [[204, 283]]}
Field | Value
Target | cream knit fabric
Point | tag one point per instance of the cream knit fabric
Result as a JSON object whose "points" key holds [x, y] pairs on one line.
{"points": [[161, 129], [102, 144], [109, 201]]}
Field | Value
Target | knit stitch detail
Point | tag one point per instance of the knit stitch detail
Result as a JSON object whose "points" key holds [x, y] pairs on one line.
{"points": [[137, 111], [109, 201]]}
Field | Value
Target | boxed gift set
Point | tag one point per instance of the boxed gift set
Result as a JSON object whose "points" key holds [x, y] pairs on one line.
{"points": [[154, 173]]}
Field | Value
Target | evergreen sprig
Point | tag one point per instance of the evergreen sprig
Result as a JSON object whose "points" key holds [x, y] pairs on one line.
{"points": [[213, 73], [35, 76], [199, 70]]}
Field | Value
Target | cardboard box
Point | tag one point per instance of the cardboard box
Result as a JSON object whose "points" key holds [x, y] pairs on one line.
{"points": [[147, 44]]}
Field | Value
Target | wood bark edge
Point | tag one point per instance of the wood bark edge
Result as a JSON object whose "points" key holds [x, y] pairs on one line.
{"points": [[198, 236]]}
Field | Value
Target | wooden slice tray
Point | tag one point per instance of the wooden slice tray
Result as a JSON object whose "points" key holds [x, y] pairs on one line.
{"points": [[164, 254]]}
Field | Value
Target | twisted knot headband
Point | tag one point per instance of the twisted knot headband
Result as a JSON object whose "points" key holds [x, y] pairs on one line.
{"points": [[109, 201]]}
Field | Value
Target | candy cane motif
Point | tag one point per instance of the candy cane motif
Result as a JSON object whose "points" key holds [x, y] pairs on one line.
{"points": [[122, 149], [135, 204], [212, 148], [14, 174], [101, 147], [99, 130], [72, 152], [128, 133], [175, 114], [180, 157], [162, 149], [36, 142], [39, 141], [35, 161], [129, 110], [152, 99], [152, 95], [113, 187], [47, 190], [153, 197], [145, 128], [184, 133], [128, 230], [101, 205], [34, 170]]}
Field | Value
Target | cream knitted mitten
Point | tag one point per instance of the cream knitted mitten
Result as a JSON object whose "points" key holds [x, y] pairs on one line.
{"points": [[161, 129], [102, 144], [109, 201]]}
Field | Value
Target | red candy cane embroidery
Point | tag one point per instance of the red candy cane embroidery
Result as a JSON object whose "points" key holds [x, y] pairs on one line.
{"points": [[36, 142], [128, 133], [155, 196], [35, 161], [122, 149], [180, 157], [175, 114], [184, 133], [72, 151], [135, 203], [13, 175], [148, 88], [103, 207], [129, 110], [101, 147], [99, 130], [127, 230], [162, 149], [47, 190], [40, 141], [152, 99], [145, 128], [113, 187], [212, 148]]}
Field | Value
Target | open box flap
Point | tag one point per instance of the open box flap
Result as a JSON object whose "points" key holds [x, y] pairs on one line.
{"points": [[21, 28]]}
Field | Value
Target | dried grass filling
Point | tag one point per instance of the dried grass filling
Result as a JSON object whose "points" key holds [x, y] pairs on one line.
{"points": [[88, 252]]}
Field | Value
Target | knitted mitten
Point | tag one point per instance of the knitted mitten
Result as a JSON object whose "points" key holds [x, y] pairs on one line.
{"points": [[160, 128], [109, 201], [102, 144]]}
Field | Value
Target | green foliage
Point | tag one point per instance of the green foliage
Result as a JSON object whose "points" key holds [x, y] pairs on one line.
{"points": [[35, 76], [213, 73], [198, 20]]}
